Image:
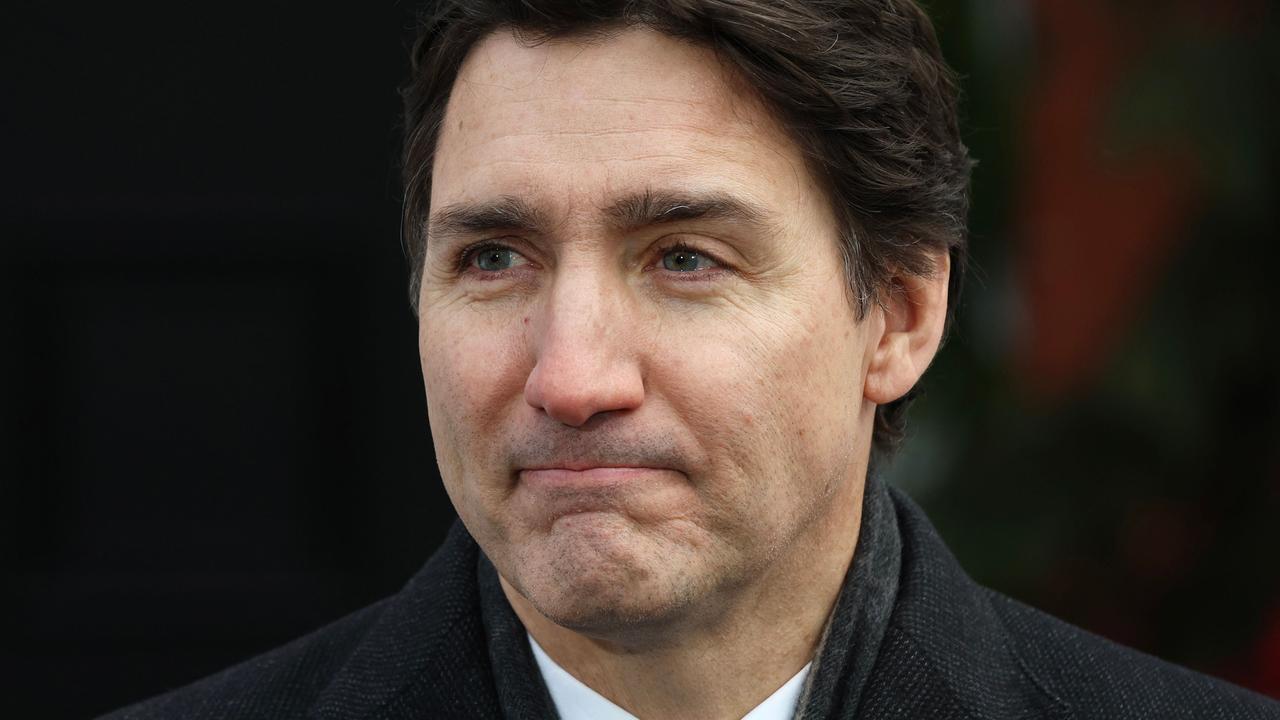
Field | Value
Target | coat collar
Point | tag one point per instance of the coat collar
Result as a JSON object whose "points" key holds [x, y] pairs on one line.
{"points": [[425, 656], [946, 653]]}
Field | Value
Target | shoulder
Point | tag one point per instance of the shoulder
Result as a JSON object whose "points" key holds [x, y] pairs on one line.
{"points": [[990, 656], [420, 650], [281, 683], [1102, 679]]}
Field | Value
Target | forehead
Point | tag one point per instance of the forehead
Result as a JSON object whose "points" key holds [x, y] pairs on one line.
{"points": [[581, 120], [596, 66]]}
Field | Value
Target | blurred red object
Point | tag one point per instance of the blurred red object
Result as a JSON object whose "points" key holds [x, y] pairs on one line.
{"points": [[1097, 223], [1266, 677]]}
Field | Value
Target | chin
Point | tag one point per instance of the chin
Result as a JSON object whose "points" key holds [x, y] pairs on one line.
{"points": [[599, 576]]}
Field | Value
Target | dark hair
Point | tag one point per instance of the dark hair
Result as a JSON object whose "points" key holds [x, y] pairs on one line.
{"points": [[860, 85]]}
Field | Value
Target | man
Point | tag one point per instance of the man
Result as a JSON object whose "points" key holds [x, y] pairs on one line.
{"points": [[676, 264]]}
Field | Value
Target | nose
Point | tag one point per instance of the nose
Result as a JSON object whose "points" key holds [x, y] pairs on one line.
{"points": [[586, 353]]}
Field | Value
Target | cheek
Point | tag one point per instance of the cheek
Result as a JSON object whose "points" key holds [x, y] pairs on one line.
{"points": [[821, 380], [466, 397], [774, 398]]}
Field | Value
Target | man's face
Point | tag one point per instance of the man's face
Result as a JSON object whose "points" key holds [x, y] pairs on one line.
{"points": [[643, 372]]}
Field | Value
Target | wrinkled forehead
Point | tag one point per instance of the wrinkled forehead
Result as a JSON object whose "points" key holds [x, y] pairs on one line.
{"points": [[601, 66], [593, 114]]}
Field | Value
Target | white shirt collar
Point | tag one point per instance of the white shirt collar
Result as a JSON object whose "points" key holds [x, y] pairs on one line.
{"points": [[575, 701]]}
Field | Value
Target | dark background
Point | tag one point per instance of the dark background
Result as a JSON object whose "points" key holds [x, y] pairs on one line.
{"points": [[212, 431]]}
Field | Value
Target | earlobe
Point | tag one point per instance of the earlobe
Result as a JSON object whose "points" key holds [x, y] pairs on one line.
{"points": [[912, 313]]}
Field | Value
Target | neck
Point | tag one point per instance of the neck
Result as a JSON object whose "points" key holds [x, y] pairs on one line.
{"points": [[762, 635]]}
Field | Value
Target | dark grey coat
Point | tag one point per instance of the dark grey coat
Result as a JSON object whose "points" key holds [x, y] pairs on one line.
{"points": [[952, 649]]}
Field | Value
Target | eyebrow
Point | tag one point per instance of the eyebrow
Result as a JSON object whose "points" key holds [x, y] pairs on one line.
{"points": [[504, 213], [655, 207], [630, 212]]}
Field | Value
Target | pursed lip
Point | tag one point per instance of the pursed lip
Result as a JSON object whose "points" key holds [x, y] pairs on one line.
{"points": [[550, 493], [572, 476]]}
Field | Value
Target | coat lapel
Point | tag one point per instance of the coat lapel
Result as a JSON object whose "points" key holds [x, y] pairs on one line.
{"points": [[425, 657], [946, 653]]}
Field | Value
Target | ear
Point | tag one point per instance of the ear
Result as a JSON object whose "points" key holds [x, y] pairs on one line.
{"points": [[913, 312]]}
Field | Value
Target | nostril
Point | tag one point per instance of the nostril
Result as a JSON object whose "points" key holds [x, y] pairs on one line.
{"points": [[572, 393], [558, 396]]}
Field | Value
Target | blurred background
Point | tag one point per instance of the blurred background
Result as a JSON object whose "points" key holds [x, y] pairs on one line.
{"points": [[212, 431]]}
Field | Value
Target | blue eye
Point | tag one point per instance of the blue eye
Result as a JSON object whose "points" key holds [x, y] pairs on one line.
{"points": [[680, 259], [496, 259]]}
